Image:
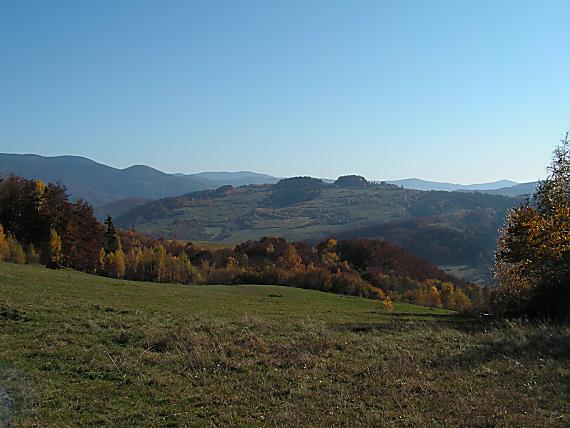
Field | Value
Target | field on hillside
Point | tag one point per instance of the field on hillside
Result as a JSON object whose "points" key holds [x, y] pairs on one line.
{"points": [[445, 228], [247, 213], [84, 350]]}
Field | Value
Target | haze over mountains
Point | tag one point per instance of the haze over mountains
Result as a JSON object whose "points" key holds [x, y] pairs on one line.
{"points": [[419, 184], [447, 224], [101, 184]]}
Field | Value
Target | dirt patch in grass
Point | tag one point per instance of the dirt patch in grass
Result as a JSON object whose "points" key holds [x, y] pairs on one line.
{"points": [[12, 314]]}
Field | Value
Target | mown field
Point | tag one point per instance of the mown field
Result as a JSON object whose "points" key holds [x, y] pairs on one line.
{"points": [[78, 350]]}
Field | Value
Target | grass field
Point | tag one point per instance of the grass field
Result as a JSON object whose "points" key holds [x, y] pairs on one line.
{"points": [[79, 350]]}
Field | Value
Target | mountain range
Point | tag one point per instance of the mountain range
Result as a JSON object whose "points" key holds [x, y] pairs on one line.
{"points": [[98, 183], [449, 225], [419, 184], [101, 184]]}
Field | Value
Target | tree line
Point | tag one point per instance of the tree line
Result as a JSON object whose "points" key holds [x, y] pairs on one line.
{"points": [[39, 224]]}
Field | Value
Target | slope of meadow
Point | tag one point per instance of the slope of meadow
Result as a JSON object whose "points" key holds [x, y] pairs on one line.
{"points": [[84, 350]]}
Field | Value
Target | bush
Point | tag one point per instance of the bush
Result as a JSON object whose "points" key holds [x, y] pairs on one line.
{"points": [[15, 252]]}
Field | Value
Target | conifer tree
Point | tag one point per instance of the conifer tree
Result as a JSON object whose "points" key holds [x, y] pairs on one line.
{"points": [[112, 240]]}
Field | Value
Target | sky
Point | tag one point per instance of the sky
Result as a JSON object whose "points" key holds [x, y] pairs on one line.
{"points": [[460, 91]]}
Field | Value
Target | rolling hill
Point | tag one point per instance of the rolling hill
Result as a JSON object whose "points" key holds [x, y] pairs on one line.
{"points": [[118, 207], [461, 226]]}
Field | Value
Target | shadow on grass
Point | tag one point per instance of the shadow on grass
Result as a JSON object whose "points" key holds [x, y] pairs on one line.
{"points": [[413, 315], [519, 343], [401, 321]]}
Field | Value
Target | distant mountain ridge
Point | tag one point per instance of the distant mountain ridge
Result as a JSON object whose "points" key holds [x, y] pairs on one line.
{"points": [[101, 184], [237, 178], [419, 184], [516, 190]]}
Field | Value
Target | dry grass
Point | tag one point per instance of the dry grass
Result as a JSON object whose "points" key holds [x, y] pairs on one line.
{"points": [[96, 360]]}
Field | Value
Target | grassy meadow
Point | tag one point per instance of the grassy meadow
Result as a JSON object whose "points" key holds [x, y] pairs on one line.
{"points": [[79, 350]]}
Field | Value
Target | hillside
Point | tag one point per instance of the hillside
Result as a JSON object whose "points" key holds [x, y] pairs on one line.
{"points": [[309, 209], [461, 240], [118, 207], [101, 184], [81, 350]]}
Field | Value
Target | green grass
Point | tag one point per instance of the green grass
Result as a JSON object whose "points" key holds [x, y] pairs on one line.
{"points": [[80, 350]]}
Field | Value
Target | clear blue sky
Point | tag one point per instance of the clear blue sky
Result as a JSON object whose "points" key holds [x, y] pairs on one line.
{"points": [[460, 91]]}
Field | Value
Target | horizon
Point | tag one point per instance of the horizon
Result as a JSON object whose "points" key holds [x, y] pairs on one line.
{"points": [[459, 93], [275, 176]]}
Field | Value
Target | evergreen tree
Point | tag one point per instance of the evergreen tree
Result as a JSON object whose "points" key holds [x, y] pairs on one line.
{"points": [[112, 240]]}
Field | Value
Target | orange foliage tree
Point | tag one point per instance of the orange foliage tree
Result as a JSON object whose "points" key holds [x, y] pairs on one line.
{"points": [[532, 263]]}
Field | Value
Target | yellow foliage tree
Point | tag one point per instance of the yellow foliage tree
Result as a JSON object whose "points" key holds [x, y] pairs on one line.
{"points": [[433, 297], [55, 246], [447, 293], [16, 253], [461, 301], [330, 258], [3, 244], [120, 266], [159, 263], [101, 261]]}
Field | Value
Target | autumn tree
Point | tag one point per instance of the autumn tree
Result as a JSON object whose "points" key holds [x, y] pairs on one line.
{"points": [[532, 263], [447, 293], [120, 263], [159, 263], [433, 297], [3, 244], [54, 247]]}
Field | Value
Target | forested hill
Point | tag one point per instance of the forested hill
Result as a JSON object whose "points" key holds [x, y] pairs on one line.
{"points": [[462, 226]]}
